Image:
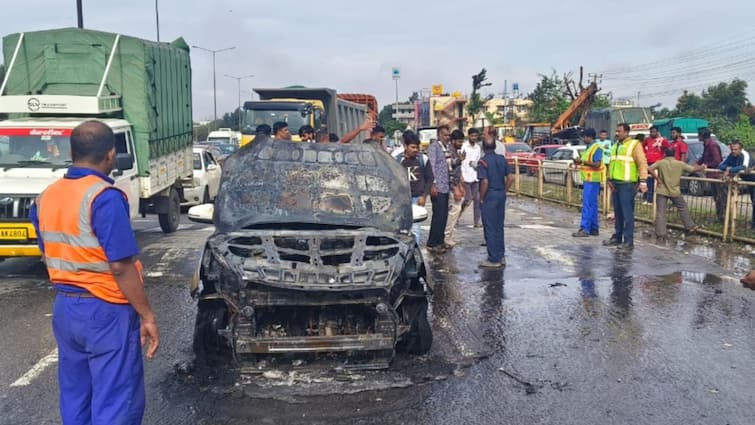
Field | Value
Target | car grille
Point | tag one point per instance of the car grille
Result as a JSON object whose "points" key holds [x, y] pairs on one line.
{"points": [[15, 208], [325, 260]]}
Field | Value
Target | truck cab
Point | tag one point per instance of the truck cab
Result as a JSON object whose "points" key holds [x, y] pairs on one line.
{"points": [[37, 154]]}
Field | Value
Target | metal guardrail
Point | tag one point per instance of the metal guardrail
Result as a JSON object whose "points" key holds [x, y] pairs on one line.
{"points": [[723, 207]]}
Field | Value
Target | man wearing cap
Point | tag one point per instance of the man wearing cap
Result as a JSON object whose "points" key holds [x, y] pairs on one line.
{"points": [[591, 171]]}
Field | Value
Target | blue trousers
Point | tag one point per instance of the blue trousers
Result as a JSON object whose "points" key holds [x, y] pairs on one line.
{"points": [[590, 195], [100, 369], [623, 206], [493, 215]]}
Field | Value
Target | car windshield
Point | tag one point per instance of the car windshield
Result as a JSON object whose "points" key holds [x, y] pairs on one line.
{"points": [[549, 152], [517, 148], [226, 149], [219, 139], [197, 161], [255, 117], [45, 147]]}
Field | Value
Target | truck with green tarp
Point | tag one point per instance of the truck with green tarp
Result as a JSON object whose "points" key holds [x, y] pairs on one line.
{"points": [[688, 125], [57, 79]]}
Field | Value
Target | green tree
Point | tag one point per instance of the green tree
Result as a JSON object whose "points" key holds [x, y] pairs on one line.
{"points": [[726, 100], [476, 104], [414, 97], [393, 125], [386, 114], [550, 98]]}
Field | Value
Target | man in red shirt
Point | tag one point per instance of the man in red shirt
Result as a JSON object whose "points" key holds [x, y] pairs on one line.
{"points": [[679, 145], [655, 146]]}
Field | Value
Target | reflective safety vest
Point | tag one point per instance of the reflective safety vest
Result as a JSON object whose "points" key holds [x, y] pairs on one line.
{"points": [[73, 253], [589, 173], [622, 166]]}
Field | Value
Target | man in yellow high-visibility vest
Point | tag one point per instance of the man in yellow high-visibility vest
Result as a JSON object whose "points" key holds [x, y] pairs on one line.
{"points": [[628, 168]]}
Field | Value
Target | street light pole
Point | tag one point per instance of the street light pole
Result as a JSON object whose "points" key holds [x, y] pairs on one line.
{"points": [[157, 20], [214, 78], [79, 14], [238, 81]]}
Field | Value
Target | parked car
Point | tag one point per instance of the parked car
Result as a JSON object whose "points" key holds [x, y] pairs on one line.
{"points": [[560, 167], [519, 150], [203, 187], [540, 153], [695, 152]]}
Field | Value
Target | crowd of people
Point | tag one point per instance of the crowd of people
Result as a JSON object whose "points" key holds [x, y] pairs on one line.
{"points": [[458, 172]]}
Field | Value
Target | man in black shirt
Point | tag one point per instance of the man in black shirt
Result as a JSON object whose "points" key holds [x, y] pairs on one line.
{"points": [[418, 172]]}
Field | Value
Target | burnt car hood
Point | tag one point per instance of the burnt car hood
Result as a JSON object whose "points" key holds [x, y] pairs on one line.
{"points": [[273, 182]]}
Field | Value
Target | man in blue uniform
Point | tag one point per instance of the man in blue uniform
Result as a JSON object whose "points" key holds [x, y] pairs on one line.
{"points": [[495, 181]]}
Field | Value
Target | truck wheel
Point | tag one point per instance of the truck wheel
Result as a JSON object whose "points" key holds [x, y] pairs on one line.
{"points": [[419, 339], [209, 346], [169, 220]]}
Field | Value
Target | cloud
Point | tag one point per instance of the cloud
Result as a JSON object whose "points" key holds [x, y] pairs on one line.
{"points": [[352, 46]]}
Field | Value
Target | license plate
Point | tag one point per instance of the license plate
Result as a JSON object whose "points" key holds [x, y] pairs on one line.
{"points": [[13, 234]]}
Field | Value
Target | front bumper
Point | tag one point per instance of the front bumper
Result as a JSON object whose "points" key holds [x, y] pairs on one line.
{"points": [[14, 247]]}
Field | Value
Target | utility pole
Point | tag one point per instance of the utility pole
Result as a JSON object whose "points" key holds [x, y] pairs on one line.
{"points": [[157, 20], [79, 14], [214, 78], [238, 81]]}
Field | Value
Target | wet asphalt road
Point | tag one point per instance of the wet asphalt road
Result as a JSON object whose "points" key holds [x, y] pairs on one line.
{"points": [[570, 333]]}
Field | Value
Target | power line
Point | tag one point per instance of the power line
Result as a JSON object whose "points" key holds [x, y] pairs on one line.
{"points": [[684, 57]]}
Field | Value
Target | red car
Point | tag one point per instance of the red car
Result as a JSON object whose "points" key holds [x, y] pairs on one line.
{"points": [[519, 150], [540, 153]]}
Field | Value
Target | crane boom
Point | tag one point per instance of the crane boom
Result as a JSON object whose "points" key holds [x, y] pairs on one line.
{"points": [[582, 101]]}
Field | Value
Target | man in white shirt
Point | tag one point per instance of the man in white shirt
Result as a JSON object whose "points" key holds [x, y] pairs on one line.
{"points": [[473, 153]]}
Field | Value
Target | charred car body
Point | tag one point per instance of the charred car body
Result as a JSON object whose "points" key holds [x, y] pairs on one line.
{"points": [[312, 253]]}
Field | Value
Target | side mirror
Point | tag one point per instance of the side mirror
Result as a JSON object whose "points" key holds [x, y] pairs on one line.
{"points": [[419, 214], [212, 167], [202, 213], [123, 161]]}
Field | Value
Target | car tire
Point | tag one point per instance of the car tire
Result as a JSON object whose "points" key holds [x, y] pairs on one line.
{"points": [[206, 196], [419, 339], [209, 346], [170, 220], [695, 188]]}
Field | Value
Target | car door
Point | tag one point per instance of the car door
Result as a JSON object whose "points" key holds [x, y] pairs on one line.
{"points": [[213, 174], [127, 180], [553, 170]]}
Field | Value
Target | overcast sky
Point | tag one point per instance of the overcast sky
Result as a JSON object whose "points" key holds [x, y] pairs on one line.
{"points": [[655, 47]]}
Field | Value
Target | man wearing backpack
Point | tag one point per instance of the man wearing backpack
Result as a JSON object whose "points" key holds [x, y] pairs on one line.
{"points": [[418, 172]]}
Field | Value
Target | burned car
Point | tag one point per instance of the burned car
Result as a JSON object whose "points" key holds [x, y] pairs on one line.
{"points": [[312, 253]]}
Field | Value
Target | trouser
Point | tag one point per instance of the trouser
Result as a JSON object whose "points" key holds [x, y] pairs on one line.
{"points": [[439, 220], [472, 195], [661, 211], [100, 370], [454, 212], [416, 228], [651, 188], [493, 215], [719, 190], [623, 206], [590, 194]]}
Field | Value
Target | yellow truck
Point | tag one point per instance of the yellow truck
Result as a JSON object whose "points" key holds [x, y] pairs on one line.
{"points": [[299, 106]]}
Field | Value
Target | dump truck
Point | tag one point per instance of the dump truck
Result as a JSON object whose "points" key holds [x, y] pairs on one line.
{"points": [[57, 79], [312, 255], [299, 106]]}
